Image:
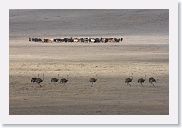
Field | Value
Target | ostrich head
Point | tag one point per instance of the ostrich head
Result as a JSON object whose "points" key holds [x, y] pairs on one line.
{"points": [[131, 76], [145, 77], [67, 77], [43, 77]]}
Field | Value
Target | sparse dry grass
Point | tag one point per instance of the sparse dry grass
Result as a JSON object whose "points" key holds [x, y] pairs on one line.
{"points": [[111, 62]]}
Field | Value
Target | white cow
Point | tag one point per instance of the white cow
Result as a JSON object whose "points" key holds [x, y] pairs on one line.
{"points": [[92, 40], [75, 40]]}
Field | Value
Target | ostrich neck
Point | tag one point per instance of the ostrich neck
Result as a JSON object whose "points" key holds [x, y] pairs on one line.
{"points": [[132, 77]]}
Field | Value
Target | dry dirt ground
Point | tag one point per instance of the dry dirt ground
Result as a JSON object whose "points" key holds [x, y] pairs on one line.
{"points": [[109, 63]]}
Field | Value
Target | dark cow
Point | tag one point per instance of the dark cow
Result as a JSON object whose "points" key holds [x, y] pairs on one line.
{"points": [[57, 40], [106, 40], [70, 39], [39, 40], [86, 40], [110, 39], [81, 40], [89, 39], [54, 40], [97, 40], [36, 39], [65, 40], [102, 40], [117, 40], [47, 41]]}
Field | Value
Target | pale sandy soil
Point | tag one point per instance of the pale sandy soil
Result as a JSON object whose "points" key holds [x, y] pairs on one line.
{"points": [[112, 63]]}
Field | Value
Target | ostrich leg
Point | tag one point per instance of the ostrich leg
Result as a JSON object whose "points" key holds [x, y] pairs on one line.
{"points": [[153, 85], [129, 84], [92, 84], [40, 85], [142, 84]]}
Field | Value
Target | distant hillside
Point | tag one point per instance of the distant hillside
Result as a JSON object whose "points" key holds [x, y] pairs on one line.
{"points": [[24, 23]]}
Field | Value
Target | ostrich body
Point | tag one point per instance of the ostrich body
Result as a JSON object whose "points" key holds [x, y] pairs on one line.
{"points": [[92, 80], [141, 80], [39, 80], [129, 80], [64, 80], [152, 80], [33, 80], [55, 79]]}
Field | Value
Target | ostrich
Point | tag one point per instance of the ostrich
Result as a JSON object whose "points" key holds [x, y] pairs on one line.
{"points": [[141, 80], [54, 80], [39, 80], [92, 80], [33, 80], [64, 80], [152, 80], [128, 80]]}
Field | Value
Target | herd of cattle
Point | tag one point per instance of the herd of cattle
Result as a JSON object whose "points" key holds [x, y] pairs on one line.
{"points": [[76, 40]]}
